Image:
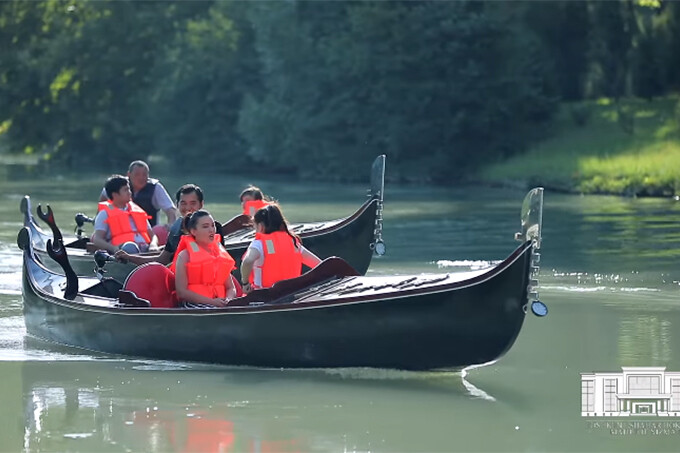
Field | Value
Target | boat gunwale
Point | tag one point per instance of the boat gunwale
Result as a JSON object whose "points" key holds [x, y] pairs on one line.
{"points": [[271, 306], [333, 226]]}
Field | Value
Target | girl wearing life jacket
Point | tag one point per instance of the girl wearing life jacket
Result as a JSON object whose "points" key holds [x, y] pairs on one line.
{"points": [[203, 268], [252, 199], [275, 254]]}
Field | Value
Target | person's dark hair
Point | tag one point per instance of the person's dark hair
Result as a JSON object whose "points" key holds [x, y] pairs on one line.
{"points": [[253, 191], [137, 163], [192, 219], [114, 184], [273, 220], [187, 189]]}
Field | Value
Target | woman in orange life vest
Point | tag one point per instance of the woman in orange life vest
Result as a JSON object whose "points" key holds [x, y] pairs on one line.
{"points": [[252, 199], [275, 254], [203, 267]]}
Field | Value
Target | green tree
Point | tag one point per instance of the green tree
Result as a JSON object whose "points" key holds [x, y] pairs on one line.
{"points": [[436, 85], [201, 77]]}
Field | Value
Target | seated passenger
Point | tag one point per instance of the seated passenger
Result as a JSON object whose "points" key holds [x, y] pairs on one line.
{"points": [[275, 254], [121, 224], [203, 268], [148, 193], [252, 199], [189, 199]]}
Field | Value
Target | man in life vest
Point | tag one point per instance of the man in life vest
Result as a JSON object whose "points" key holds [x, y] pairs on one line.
{"points": [[203, 267], [189, 199], [150, 195], [252, 200], [120, 223], [275, 254]]}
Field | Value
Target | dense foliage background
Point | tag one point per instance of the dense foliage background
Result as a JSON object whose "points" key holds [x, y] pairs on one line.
{"points": [[316, 88]]}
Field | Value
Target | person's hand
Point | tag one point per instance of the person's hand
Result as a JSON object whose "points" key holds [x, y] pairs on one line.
{"points": [[153, 247], [122, 256], [219, 302]]}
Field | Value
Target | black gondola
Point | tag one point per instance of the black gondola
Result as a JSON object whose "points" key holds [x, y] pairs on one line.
{"points": [[328, 317], [354, 238]]}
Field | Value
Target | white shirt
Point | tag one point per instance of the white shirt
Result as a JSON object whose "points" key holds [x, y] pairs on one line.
{"points": [[259, 262]]}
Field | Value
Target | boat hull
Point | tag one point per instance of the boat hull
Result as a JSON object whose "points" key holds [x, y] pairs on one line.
{"points": [[442, 327]]}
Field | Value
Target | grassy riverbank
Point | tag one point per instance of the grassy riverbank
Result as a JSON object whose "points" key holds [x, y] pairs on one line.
{"points": [[599, 147]]}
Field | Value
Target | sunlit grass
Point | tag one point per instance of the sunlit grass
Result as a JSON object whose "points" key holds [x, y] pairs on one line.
{"points": [[633, 149]]}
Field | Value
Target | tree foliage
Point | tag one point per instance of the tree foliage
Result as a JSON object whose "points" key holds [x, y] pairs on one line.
{"points": [[316, 88]]}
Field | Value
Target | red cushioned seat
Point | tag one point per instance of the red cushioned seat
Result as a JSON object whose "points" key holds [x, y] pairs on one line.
{"points": [[237, 285], [162, 232], [153, 282]]}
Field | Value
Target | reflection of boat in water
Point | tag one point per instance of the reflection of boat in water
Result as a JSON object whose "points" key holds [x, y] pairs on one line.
{"points": [[355, 238], [108, 407], [328, 317], [153, 407]]}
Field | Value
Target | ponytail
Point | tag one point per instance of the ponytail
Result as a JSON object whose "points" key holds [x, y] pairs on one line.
{"points": [[273, 220]]}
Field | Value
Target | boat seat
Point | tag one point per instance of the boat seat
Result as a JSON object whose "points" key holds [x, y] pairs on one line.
{"points": [[79, 244], [153, 282], [236, 223], [107, 287], [331, 267], [237, 285]]}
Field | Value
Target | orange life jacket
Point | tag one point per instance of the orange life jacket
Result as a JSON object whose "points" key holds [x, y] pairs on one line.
{"points": [[119, 222], [207, 271], [282, 259], [182, 245], [252, 206]]}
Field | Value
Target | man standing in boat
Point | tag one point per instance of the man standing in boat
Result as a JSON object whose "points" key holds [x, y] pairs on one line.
{"points": [[120, 223], [150, 195], [189, 199]]}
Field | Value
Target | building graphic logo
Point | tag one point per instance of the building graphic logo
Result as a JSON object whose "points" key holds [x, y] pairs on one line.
{"points": [[636, 391]]}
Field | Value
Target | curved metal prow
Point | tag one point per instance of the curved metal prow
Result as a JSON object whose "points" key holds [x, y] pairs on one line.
{"points": [[532, 225], [532, 217], [378, 192], [25, 206], [378, 176]]}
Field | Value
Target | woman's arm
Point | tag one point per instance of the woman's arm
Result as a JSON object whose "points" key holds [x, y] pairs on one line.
{"points": [[231, 288], [309, 259], [182, 283], [252, 255]]}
